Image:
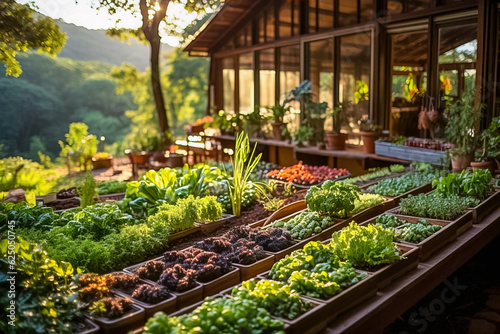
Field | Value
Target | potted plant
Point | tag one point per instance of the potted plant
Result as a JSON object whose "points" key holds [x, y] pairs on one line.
{"points": [[226, 123], [336, 139], [304, 133], [253, 123], [316, 115], [490, 139], [463, 117], [279, 110], [199, 125], [369, 132]]}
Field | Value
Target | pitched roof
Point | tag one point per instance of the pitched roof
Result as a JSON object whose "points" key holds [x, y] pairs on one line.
{"points": [[218, 26]]}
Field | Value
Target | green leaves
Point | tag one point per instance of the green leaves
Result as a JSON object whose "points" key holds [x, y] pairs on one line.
{"points": [[399, 185], [476, 184], [334, 199], [436, 206], [365, 246]]}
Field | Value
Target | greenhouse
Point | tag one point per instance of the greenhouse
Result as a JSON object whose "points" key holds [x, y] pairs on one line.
{"points": [[283, 166]]}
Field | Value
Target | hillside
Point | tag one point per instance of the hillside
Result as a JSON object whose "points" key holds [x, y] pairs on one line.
{"points": [[85, 44]]}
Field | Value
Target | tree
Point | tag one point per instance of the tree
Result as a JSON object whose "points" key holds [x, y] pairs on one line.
{"points": [[20, 31], [153, 13]]}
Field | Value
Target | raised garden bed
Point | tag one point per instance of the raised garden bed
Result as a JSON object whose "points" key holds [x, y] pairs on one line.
{"points": [[396, 199], [111, 197], [209, 227], [410, 153], [251, 270], [129, 321], [223, 282], [485, 207], [463, 223], [448, 233]]}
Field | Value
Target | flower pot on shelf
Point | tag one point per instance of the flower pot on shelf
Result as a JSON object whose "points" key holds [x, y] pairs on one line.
{"points": [[175, 160], [277, 130], [102, 163], [369, 139], [140, 157], [483, 165], [460, 162], [197, 128], [336, 141]]}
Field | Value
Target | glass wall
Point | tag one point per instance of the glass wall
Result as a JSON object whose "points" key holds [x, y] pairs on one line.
{"points": [[457, 61], [354, 80], [348, 12], [405, 6], [228, 80], [321, 65], [267, 77], [409, 81], [288, 18], [266, 25], [246, 86], [289, 79]]}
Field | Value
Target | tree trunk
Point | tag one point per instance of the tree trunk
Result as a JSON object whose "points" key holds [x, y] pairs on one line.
{"points": [[157, 90]]}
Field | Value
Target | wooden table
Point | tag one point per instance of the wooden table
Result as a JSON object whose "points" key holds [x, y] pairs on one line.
{"points": [[373, 315]]}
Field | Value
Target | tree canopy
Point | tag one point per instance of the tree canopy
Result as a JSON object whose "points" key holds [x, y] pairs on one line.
{"points": [[21, 31]]}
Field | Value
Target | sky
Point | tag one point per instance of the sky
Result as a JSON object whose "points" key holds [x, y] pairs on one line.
{"points": [[82, 14]]}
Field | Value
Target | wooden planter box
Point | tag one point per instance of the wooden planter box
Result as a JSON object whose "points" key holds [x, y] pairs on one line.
{"points": [[312, 321], [415, 191], [167, 306], [251, 270], [463, 223], [372, 212], [184, 233], [189, 297], [446, 234], [91, 328], [133, 269], [344, 300], [129, 321], [389, 273], [284, 252], [410, 153], [209, 227], [111, 197], [483, 209], [215, 286]]}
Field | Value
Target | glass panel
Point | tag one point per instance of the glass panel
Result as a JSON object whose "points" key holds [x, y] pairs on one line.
{"points": [[244, 37], [246, 83], [312, 16], [262, 29], [287, 26], [409, 81], [270, 24], [348, 12], [457, 61], [321, 70], [405, 6], [366, 10], [267, 77], [354, 81], [325, 17], [289, 79], [228, 75]]}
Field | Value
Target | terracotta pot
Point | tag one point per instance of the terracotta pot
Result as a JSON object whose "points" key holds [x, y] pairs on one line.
{"points": [[175, 160], [159, 156], [483, 165], [102, 163], [369, 139], [460, 162], [336, 141], [140, 158], [277, 130]]}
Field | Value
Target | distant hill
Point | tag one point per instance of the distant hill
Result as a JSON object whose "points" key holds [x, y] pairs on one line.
{"points": [[85, 44]]}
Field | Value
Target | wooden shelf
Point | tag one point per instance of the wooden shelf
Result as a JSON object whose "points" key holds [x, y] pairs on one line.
{"points": [[378, 312]]}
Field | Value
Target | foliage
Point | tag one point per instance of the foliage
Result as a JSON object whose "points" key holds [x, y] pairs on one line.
{"points": [[365, 246], [304, 133], [375, 173], [150, 294], [87, 190], [186, 212], [151, 270], [476, 184], [276, 297], [207, 265], [463, 118], [35, 217], [177, 278], [80, 146], [20, 31], [417, 232], [490, 142], [43, 289], [273, 204], [334, 199], [366, 201], [399, 185], [243, 163], [243, 251], [218, 315], [389, 221], [279, 110], [253, 122], [362, 92], [303, 225], [111, 187], [272, 240], [436, 205], [249, 197], [111, 307]]}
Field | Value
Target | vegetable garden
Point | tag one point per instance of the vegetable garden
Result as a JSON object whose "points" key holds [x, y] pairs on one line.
{"points": [[234, 248]]}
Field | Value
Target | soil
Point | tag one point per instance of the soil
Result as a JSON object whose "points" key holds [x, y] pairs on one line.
{"points": [[63, 204], [67, 193], [248, 216]]}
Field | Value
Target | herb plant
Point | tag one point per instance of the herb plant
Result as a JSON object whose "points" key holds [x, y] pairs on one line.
{"points": [[399, 185], [365, 246], [389, 221], [276, 297], [111, 187], [272, 239], [303, 225], [436, 206], [417, 232], [334, 199], [87, 190], [476, 184]]}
